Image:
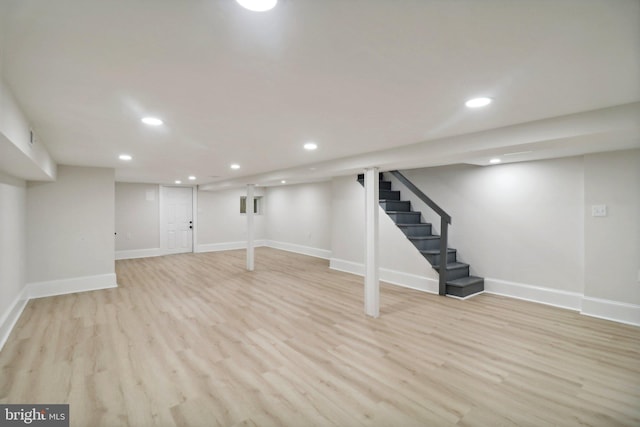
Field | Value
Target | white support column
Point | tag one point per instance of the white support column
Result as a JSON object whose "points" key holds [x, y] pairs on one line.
{"points": [[371, 262], [250, 227]]}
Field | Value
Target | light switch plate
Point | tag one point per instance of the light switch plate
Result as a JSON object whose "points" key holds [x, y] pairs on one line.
{"points": [[598, 210]]}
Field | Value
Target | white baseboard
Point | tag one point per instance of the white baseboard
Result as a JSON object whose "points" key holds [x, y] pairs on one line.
{"points": [[554, 297], [10, 318], [72, 285], [346, 266], [299, 249], [139, 253], [611, 310], [399, 278], [227, 246], [51, 288]]}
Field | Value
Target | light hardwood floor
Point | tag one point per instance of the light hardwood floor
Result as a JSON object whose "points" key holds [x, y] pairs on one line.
{"points": [[195, 340]]}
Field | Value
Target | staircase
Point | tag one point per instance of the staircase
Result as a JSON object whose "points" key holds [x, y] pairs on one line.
{"points": [[458, 281]]}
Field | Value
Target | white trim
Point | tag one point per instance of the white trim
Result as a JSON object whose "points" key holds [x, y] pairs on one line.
{"points": [[407, 280], [139, 253], [250, 228], [194, 218], [464, 298], [393, 277], [72, 285], [554, 297], [611, 310], [161, 218], [227, 246], [11, 316], [299, 249], [47, 289], [230, 246], [346, 266]]}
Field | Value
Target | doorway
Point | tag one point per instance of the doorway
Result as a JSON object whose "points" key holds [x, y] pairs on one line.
{"points": [[176, 220]]}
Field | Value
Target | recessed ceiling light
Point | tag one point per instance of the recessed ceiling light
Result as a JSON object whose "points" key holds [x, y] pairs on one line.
{"points": [[152, 121], [192, 178], [235, 166], [478, 102], [494, 161], [283, 182], [310, 146], [125, 157], [177, 181], [258, 5]]}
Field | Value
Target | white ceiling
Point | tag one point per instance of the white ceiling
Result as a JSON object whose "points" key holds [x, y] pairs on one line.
{"points": [[355, 76]]}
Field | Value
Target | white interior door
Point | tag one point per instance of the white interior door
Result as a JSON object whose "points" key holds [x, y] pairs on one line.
{"points": [[177, 220]]}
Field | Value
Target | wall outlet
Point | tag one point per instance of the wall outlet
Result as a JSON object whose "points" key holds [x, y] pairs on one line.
{"points": [[598, 210]]}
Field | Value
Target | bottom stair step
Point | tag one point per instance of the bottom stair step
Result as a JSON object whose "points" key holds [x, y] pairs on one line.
{"points": [[465, 286], [455, 270]]}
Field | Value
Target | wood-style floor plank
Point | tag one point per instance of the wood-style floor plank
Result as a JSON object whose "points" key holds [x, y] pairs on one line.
{"points": [[196, 340]]}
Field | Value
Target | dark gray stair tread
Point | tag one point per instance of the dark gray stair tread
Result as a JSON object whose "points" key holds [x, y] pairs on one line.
{"points": [[406, 212], [453, 265], [413, 225], [431, 237], [436, 251], [465, 281]]}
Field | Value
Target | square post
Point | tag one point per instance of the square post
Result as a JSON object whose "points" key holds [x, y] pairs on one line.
{"points": [[371, 277]]}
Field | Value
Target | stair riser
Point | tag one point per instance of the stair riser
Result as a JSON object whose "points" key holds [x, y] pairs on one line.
{"points": [[389, 195], [382, 185], [395, 205], [422, 230], [435, 259], [458, 273], [428, 244], [380, 176], [465, 291], [405, 217]]}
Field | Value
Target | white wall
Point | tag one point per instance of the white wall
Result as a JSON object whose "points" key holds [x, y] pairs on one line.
{"points": [[526, 227], [400, 261], [612, 243], [137, 219], [221, 226], [298, 217], [13, 252], [520, 222], [70, 227]]}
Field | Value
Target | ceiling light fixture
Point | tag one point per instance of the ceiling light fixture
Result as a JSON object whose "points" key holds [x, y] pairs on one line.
{"points": [[152, 121], [125, 157], [177, 181], [258, 5], [310, 146], [235, 166], [478, 102], [192, 178], [495, 161], [283, 182]]}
